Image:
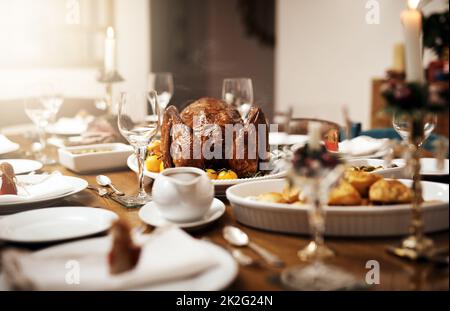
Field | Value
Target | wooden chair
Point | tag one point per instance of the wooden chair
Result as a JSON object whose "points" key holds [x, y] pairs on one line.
{"points": [[330, 130]]}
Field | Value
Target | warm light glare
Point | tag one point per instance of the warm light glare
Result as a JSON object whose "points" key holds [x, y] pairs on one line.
{"points": [[110, 32], [413, 4]]}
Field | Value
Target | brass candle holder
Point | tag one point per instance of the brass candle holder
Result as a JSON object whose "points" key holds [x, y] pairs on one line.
{"points": [[414, 101], [108, 79]]}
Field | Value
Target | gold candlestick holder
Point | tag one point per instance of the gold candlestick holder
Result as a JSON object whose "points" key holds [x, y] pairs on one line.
{"points": [[108, 79]]}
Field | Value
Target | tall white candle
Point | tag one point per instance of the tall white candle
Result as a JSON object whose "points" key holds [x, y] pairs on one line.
{"points": [[412, 24], [110, 51], [314, 135]]}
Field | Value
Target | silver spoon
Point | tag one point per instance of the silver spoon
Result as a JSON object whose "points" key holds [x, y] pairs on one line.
{"points": [[237, 237], [104, 181], [101, 191]]}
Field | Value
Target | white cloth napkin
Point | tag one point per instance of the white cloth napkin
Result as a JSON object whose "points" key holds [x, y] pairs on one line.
{"points": [[6, 145], [167, 254], [35, 187], [363, 145], [282, 138]]}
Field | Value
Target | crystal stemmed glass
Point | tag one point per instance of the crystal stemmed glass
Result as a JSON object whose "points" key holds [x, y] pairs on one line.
{"points": [[162, 83], [138, 129], [238, 92], [317, 275], [41, 115], [402, 125]]}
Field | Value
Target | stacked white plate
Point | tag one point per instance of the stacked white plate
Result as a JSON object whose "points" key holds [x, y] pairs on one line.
{"points": [[39, 191], [215, 278], [23, 166]]}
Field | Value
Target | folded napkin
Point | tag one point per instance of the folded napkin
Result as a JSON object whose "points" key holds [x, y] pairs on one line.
{"points": [[35, 187], [168, 254], [363, 145], [6, 145], [70, 126]]}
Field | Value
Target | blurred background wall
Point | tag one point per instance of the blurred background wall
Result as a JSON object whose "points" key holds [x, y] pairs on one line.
{"points": [[327, 55], [204, 41], [313, 55]]}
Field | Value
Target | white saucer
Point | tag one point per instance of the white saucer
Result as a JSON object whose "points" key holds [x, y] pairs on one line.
{"points": [[150, 214], [23, 166]]}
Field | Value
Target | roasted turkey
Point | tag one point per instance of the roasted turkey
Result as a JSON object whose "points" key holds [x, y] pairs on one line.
{"points": [[197, 137]]}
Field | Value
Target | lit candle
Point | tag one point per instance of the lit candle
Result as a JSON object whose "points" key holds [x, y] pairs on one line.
{"points": [[412, 24], [110, 49], [314, 135]]}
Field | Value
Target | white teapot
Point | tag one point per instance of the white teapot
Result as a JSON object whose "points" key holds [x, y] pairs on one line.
{"points": [[183, 194]]}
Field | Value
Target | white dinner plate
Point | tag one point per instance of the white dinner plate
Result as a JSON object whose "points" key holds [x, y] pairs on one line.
{"points": [[55, 224], [428, 166], [150, 214], [7, 146], [387, 172], [355, 221], [216, 278], [76, 185], [23, 166], [220, 186]]}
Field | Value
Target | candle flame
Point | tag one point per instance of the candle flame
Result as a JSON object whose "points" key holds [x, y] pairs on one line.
{"points": [[413, 4], [110, 32]]}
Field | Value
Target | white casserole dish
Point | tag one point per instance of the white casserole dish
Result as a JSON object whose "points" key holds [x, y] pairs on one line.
{"points": [[351, 221]]}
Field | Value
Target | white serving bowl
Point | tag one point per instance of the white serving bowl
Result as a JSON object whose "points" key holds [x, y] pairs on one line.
{"points": [[391, 172], [114, 157]]}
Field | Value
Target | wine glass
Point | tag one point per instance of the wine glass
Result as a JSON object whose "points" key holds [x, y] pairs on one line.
{"points": [[139, 130], [238, 92], [314, 171], [402, 125], [162, 83], [41, 113]]}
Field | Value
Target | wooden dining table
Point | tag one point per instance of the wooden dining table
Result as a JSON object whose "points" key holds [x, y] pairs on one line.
{"points": [[352, 254]]}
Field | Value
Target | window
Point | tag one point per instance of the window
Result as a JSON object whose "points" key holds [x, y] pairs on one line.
{"points": [[53, 33]]}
